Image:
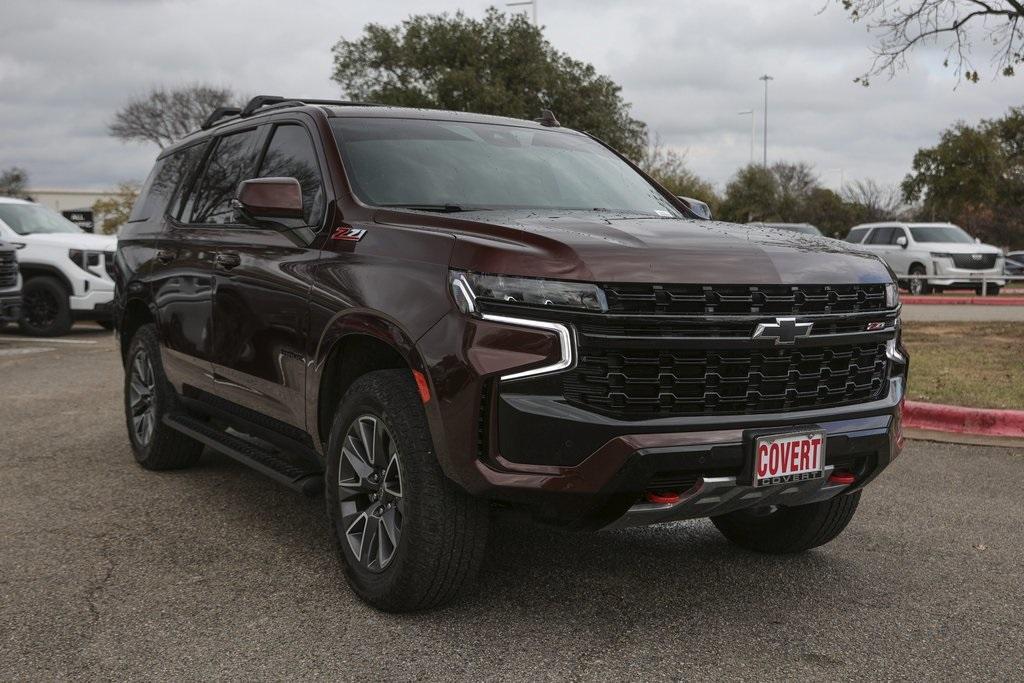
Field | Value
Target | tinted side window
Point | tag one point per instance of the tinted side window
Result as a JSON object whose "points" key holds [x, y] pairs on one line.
{"points": [[896, 234], [229, 164], [856, 235], [165, 178], [881, 236], [290, 154]]}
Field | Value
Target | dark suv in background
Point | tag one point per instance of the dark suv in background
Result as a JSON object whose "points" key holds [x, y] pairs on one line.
{"points": [[422, 313]]}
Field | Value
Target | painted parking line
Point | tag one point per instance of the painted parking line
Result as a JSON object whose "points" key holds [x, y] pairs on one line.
{"points": [[35, 340], [25, 352]]}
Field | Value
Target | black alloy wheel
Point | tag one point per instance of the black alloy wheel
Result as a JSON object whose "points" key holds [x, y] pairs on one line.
{"points": [[370, 493], [141, 390]]}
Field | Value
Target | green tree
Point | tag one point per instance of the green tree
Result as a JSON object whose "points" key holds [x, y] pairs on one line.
{"points": [[956, 25], [669, 168], [751, 195], [165, 116], [13, 181], [112, 212], [974, 177], [500, 64]]}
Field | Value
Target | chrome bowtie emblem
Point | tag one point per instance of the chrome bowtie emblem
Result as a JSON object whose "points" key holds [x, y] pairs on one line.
{"points": [[783, 330], [976, 257]]}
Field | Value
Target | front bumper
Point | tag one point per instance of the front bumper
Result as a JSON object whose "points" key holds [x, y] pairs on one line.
{"points": [[945, 274], [10, 308], [576, 467], [95, 302]]}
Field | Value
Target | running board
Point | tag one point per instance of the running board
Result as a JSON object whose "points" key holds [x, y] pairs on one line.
{"points": [[306, 481]]}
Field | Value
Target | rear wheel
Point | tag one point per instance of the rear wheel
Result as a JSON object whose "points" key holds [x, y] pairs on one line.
{"points": [[409, 538], [918, 286], [781, 530], [45, 308], [148, 397]]}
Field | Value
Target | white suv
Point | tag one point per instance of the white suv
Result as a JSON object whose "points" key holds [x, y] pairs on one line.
{"points": [[948, 256], [67, 272]]}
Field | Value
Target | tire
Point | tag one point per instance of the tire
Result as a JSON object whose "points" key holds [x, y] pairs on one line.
{"points": [[918, 287], [789, 529], [155, 445], [993, 290], [429, 540], [45, 309]]}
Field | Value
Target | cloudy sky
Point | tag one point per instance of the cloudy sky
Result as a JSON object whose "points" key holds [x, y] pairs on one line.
{"points": [[687, 66]]}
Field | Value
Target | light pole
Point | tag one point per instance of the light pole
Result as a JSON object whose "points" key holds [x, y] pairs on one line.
{"points": [[533, 3], [750, 113], [766, 78]]}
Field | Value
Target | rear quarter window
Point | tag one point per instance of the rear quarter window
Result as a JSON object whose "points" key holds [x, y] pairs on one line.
{"points": [[163, 182]]}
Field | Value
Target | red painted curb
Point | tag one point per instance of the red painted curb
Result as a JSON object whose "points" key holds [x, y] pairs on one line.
{"points": [[975, 300], [963, 420]]}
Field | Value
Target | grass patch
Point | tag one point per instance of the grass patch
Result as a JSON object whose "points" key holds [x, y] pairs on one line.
{"points": [[967, 363]]}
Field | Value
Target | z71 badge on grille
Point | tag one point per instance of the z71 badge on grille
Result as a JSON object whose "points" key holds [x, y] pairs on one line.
{"points": [[783, 330]]}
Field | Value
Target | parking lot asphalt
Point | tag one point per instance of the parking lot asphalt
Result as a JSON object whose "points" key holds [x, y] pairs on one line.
{"points": [[964, 312], [110, 571]]}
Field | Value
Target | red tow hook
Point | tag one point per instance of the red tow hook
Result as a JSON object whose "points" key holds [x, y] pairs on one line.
{"points": [[662, 497], [842, 477]]}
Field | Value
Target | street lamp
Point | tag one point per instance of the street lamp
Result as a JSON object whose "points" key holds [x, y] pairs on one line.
{"points": [[533, 3], [750, 113], [766, 78]]}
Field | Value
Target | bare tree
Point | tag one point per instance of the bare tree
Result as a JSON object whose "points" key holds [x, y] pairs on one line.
{"points": [[902, 25], [165, 116], [873, 201]]}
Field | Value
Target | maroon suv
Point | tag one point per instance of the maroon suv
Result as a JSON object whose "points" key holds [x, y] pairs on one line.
{"points": [[422, 313]]}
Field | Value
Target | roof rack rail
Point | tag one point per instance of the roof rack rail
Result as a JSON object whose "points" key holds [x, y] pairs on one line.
{"points": [[256, 103], [218, 114]]}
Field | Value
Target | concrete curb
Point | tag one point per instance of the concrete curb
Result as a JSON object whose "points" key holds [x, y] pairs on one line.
{"points": [[973, 300], [961, 420]]}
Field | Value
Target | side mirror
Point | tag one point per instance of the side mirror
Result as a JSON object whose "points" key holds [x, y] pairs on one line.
{"points": [[902, 241], [697, 206], [977, 240], [270, 199]]}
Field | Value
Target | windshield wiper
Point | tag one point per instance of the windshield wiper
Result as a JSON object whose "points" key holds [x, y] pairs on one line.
{"points": [[439, 208]]}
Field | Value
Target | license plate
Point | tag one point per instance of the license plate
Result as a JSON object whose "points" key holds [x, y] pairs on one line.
{"points": [[788, 458]]}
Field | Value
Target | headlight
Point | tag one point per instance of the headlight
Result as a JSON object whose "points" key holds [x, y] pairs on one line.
{"points": [[892, 295], [940, 254], [467, 288]]}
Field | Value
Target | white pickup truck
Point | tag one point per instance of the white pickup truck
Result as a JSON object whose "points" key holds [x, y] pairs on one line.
{"points": [[66, 272]]}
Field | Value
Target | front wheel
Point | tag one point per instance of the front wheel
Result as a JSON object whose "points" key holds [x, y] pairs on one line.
{"points": [[45, 308], [919, 285], [779, 530], [409, 538]]}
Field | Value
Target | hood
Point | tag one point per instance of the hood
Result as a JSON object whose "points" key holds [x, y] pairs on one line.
{"points": [[84, 240], [602, 247]]}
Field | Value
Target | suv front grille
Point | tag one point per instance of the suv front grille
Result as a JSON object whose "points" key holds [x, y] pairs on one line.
{"points": [[8, 269], [969, 261], [745, 299], [651, 383]]}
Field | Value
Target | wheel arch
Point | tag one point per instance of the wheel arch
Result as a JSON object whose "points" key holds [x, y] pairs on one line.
{"points": [[136, 313], [352, 345], [32, 270]]}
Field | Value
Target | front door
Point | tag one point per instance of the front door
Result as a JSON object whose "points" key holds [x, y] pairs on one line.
{"points": [[261, 300]]}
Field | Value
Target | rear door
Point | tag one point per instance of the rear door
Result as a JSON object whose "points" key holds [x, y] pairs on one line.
{"points": [[184, 297], [261, 300]]}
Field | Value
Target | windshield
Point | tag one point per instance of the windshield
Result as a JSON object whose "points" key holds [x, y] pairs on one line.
{"points": [[453, 166], [32, 219], [941, 233]]}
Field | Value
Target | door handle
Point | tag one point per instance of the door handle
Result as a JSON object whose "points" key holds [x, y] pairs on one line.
{"points": [[166, 255], [227, 260]]}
